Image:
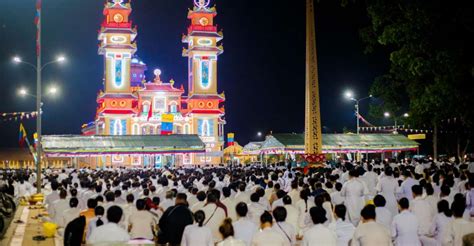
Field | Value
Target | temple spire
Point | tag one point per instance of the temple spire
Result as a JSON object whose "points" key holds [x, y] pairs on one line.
{"points": [[313, 136]]}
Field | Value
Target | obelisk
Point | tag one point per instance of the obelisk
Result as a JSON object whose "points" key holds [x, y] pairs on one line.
{"points": [[313, 137]]}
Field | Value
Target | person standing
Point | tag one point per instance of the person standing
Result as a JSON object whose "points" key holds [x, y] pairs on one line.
{"points": [[370, 232], [214, 215], [354, 192], [384, 217], [287, 230], [459, 227], [344, 230], [244, 228], [227, 232], [319, 234], [110, 232], [268, 236], [387, 187], [197, 233], [174, 220], [422, 210], [441, 221], [405, 226]]}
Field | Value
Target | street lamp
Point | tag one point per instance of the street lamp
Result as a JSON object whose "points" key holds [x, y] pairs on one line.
{"points": [[22, 91], [38, 68], [387, 115], [259, 134], [350, 96]]}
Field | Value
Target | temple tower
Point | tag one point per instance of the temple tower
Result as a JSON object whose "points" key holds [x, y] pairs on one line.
{"points": [[204, 103], [117, 104]]}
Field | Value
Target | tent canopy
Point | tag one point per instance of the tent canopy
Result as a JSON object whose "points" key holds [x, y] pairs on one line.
{"points": [[292, 142], [79, 145]]}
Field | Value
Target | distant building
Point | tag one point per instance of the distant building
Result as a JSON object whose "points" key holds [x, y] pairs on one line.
{"points": [[130, 105]]}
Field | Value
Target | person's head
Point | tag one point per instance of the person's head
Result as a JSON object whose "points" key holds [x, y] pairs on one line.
{"points": [[141, 203], [156, 200], [201, 196], [403, 203], [73, 202], [130, 198], [340, 211], [368, 213], [318, 215], [443, 207], [226, 191], [114, 214], [199, 217], [211, 197], [279, 213], [266, 220], [241, 209], [91, 203], [181, 198], [280, 194], [62, 194], [99, 199], [117, 193], [287, 200], [109, 196], [226, 229], [379, 201], [445, 190], [254, 197], [417, 190], [429, 189], [99, 212], [458, 209], [338, 186], [54, 185]]}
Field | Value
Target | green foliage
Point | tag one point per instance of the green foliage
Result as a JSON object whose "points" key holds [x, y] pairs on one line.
{"points": [[431, 58]]}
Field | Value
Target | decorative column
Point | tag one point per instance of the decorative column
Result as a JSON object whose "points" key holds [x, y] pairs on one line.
{"points": [[313, 136]]}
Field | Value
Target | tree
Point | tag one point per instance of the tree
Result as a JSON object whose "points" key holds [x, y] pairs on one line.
{"points": [[431, 59]]}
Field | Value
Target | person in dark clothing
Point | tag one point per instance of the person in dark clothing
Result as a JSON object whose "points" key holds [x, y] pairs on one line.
{"points": [[74, 232], [174, 220]]}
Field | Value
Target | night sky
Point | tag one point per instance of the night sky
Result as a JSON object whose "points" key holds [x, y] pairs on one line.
{"points": [[262, 70]]}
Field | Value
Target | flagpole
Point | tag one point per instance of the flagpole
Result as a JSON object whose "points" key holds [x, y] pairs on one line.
{"points": [[38, 99]]}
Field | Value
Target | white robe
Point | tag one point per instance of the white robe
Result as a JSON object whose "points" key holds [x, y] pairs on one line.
{"points": [[354, 192]]}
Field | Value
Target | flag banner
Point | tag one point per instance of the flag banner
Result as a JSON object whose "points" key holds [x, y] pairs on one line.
{"points": [[230, 139], [22, 136], [167, 118], [38, 27]]}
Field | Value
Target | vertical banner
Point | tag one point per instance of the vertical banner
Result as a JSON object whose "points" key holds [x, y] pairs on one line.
{"points": [[230, 139], [167, 124]]}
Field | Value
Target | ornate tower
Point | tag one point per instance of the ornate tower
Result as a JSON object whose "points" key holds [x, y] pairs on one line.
{"points": [[313, 136], [204, 103], [117, 104]]}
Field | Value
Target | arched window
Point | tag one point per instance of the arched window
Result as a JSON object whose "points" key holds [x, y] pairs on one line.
{"points": [[187, 129], [205, 128], [117, 127], [173, 107], [145, 107], [135, 129]]}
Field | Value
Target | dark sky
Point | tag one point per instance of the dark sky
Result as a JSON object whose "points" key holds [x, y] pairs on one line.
{"points": [[262, 70]]}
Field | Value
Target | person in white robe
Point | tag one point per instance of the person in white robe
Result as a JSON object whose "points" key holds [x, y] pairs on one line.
{"points": [[370, 232], [441, 221], [267, 236], [287, 230], [344, 230], [318, 234], [197, 233], [405, 226], [354, 192], [244, 228], [388, 187], [384, 216], [458, 227]]}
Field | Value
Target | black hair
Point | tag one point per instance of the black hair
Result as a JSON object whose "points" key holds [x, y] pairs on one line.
{"points": [[130, 198], [279, 213], [254, 197], [266, 217], [417, 190], [241, 209], [404, 203], [443, 207], [201, 196], [287, 200], [458, 209], [91, 203], [140, 204], [73, 202], [199, 217], [368, 212], [99, 212], [340, 211], [114, 214], [379, 201], [318, 215], [226, 191]]}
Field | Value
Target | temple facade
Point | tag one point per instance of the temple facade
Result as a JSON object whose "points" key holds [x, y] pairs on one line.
{"points": [[131, 105]]}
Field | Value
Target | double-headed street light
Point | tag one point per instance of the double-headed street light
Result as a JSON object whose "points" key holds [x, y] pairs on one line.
{"points": [[388, 115], [52, 90], [38, 68], [350, 96]]}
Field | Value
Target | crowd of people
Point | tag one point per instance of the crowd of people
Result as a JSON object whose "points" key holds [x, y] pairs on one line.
{"points": [[350, 203]]}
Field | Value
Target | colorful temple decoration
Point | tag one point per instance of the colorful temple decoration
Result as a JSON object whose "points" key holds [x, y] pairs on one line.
{"points": [[131, 105]]}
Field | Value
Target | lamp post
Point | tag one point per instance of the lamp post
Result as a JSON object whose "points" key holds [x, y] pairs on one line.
{"points": [[349, 95], [387, 115], [38, 68]]}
